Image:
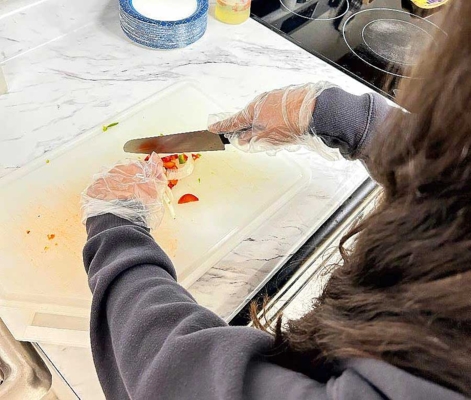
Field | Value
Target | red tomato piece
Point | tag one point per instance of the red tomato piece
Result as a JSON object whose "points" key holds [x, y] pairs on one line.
{"points": [[147, 158], [172, 183], [196, 156], [170, 158], [170, 165], [188, 198]]}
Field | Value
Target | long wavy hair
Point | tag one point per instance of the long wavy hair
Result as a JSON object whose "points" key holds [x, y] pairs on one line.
{"points": [[403, 291]]}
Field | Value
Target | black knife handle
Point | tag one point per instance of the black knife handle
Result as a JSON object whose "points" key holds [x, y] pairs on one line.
{"points": [[224, 139]]}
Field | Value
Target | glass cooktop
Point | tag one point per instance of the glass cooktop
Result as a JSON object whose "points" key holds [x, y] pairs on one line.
{"points": [[376, 41]]}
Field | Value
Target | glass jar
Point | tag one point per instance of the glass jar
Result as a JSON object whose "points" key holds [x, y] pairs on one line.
{"points": [[232, 11]]}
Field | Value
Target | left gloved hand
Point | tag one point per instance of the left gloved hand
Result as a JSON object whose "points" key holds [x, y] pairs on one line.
{"points": [[132, 191]]}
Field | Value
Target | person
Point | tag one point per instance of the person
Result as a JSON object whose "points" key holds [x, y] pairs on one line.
{"points": [[394, 319]]}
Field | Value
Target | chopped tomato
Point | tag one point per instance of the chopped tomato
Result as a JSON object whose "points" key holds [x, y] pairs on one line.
{"points": [[182, 158], [196, 156], [170, 165], [188, 198], [172, 183], [173, 157], [147, 158]]}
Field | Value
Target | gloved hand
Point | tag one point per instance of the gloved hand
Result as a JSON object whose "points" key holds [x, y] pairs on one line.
{"points": [[131, 190], [276, 120]]}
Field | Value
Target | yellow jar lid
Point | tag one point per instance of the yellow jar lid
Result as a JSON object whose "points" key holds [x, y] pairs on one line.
{"points": [[429, 3]]}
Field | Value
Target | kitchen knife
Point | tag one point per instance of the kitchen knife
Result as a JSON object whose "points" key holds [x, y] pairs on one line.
{"points": [[178, 143]]}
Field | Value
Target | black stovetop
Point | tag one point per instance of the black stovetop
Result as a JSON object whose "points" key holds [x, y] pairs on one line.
{"points": [[376, 41]]}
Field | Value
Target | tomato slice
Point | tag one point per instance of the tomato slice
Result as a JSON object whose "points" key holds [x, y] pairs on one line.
{"points": [[188, 198], [147, 158], [196, 156], [170, 165]]}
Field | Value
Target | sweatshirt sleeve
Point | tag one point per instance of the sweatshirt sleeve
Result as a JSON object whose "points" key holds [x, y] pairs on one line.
{"points": [[151, 340], [349, 122]]}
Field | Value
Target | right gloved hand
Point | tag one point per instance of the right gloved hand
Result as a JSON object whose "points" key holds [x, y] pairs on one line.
{"points": [[276, 120]]}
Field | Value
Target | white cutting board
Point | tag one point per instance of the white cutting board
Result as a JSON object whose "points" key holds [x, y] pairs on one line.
{"points": [[45, 278]]}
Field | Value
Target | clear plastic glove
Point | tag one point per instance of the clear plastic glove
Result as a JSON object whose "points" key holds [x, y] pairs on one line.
{"points": [[131, 190], [276, 120]]}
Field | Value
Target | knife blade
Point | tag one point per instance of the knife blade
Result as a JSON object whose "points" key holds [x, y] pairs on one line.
{"points": [[178, 143]]}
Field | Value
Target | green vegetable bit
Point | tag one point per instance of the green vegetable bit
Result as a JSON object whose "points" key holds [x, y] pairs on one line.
{"points": [[181, 159], [199, 180], [105, 127]]}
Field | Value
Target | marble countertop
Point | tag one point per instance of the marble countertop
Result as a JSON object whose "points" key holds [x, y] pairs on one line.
{"points": [[69, 68]]}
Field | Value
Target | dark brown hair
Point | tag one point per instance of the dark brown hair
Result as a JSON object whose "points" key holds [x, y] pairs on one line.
{"points": [[403, 291]]}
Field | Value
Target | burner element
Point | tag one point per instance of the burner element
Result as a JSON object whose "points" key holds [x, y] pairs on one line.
{"points": [[387, 39], [319, 10], [396, 41]]}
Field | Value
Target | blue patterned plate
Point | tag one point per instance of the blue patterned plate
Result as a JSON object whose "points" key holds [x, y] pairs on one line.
{"points": [[163, 34]]}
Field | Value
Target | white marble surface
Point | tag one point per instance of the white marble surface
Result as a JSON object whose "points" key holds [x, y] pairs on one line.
{"points": [[29, 24], [70, 67], [76, 366]]}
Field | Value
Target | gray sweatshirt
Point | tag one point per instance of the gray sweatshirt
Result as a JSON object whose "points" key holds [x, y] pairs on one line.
{"points": [[151, 340]]}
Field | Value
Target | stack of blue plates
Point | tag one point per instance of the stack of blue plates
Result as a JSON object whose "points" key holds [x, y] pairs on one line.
{"points": [[163, 34]]}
